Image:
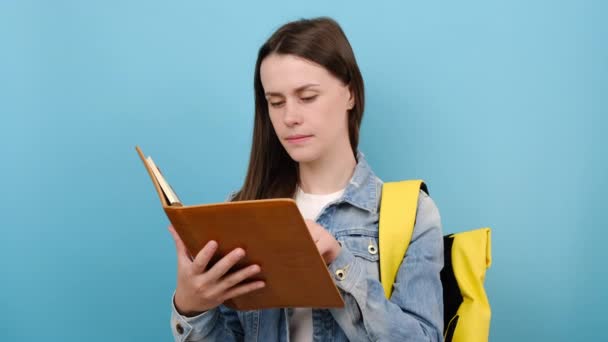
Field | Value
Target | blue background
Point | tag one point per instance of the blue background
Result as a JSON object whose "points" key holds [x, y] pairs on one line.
{"points": [[500, 105]]}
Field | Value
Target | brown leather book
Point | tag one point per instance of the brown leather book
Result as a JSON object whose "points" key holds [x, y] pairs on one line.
{"points": [[274, 236]]}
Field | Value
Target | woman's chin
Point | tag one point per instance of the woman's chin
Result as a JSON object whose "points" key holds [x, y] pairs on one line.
{"points": [[303, 155]]}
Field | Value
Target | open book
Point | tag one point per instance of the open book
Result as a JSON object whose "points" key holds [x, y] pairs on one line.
{"points": [[274, 236]]}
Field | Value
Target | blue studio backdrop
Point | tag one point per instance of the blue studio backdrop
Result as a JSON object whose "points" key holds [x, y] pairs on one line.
{"points": [[499, 105]]}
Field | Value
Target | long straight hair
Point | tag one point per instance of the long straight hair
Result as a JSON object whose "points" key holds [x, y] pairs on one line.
{"points": [[271, 172]]}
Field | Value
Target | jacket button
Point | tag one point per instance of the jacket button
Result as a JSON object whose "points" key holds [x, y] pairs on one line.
{"points": [[179, 328], [341, 274], [372, 249]]}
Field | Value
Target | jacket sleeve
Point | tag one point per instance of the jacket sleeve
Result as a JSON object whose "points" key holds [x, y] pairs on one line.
{"points": [[219, 324], [415, 309]]}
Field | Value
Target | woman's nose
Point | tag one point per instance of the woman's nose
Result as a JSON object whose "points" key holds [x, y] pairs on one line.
{"points": [[291, 115]]}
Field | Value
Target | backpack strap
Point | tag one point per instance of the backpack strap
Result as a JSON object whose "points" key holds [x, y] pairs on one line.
{"points": [[398, 208]]}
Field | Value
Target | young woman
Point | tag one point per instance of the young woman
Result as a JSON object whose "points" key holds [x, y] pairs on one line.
{"points": [[309, 103]]}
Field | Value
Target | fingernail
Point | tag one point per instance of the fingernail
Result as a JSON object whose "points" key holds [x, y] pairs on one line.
{"points": [[212, 244]]}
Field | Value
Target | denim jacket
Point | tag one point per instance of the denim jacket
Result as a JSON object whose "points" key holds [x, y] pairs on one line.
{"points": [[414, 311]]}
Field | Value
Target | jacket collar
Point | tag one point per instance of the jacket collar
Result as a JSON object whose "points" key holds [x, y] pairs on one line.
{"points": [[362, 190]]}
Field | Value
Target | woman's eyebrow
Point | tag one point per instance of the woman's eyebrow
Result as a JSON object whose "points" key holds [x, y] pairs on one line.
{"points": [[297, 90]]}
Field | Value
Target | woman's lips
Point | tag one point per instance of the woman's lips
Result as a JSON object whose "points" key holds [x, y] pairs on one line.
{"points": [[299, 139]]}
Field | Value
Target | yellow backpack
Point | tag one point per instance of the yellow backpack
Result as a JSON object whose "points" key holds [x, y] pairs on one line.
{"points": [[467, 256]]}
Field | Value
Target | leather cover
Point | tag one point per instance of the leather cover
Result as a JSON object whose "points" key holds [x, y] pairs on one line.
{"points": [[274, 236]]}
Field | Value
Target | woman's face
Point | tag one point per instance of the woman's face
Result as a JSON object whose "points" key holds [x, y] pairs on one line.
{"points": [[308, 106]]}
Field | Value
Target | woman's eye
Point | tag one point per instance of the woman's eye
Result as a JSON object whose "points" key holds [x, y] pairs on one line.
{"points": [[276, 104], [309, 98]]}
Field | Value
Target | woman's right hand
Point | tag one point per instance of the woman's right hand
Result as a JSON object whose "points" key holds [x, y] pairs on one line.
{"points": [[199, 290]]}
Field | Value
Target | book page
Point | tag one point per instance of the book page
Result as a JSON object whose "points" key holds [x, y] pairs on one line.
{"points": [[171, 195]]}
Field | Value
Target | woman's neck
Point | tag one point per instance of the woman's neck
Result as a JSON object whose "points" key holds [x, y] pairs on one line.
{"points": [[328, 174]]}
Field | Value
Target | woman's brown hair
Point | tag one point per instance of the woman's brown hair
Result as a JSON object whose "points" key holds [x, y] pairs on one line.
{"points": [[271, 172]]}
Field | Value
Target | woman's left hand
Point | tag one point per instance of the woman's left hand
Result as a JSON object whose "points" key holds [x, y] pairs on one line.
{"points": [[328, 246]]}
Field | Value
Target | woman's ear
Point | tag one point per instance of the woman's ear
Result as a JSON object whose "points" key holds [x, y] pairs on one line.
{"points": [[351, 98]]}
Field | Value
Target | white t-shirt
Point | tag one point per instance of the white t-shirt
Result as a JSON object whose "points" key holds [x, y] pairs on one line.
{"points": [[310, 205]]}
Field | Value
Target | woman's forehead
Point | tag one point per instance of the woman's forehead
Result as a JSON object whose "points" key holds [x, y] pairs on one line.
{"points": [[288, 73]]}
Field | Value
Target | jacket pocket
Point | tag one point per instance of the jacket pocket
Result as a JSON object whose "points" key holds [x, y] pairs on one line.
{"points": [[363, 244]]}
